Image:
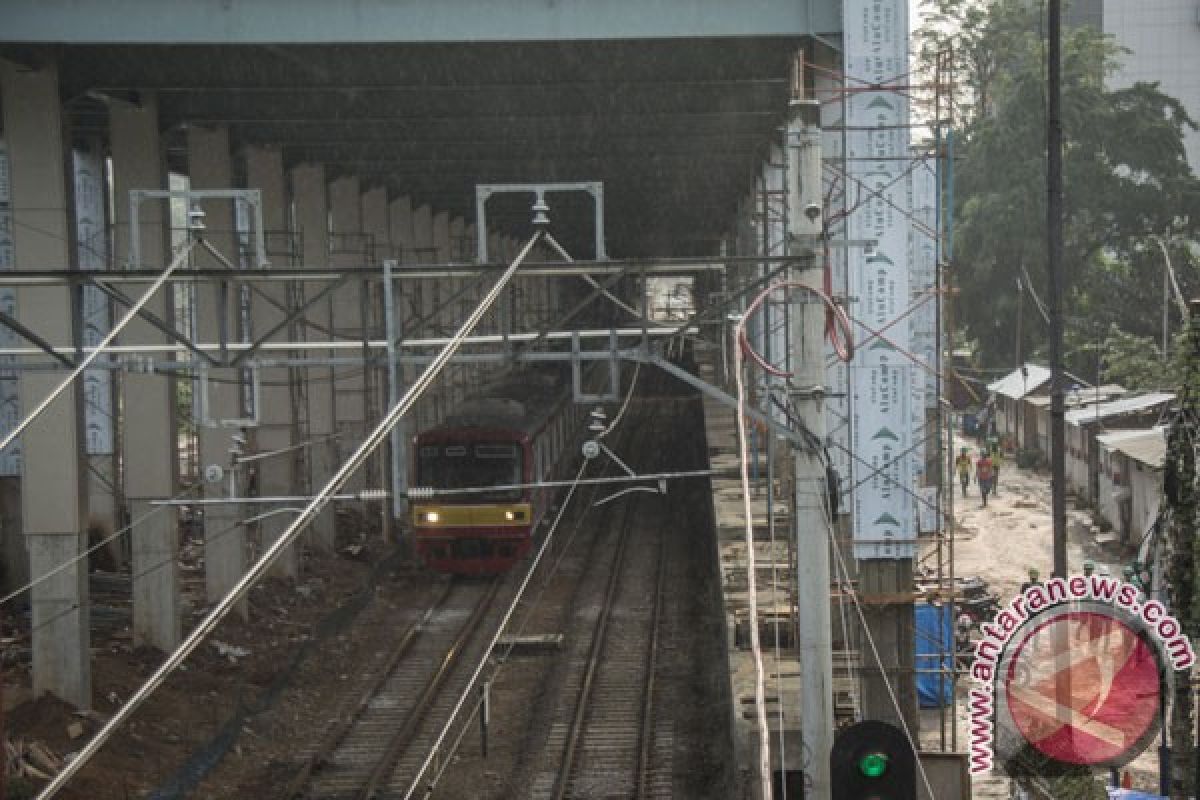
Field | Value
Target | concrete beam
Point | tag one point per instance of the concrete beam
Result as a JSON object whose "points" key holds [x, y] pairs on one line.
{"points": [[320, 22], [53, 489], [137, 163], [311, 203]]}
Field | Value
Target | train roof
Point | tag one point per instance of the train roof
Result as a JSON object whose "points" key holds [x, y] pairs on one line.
{"points": [[521, 401]]}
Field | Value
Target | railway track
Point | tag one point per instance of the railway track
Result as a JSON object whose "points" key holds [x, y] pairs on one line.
{"points": [[598, 714], [377, 740], [603, 744]]}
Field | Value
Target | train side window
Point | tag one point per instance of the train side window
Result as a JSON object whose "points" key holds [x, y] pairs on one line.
{"points": [[495, 451], [457, 451]]}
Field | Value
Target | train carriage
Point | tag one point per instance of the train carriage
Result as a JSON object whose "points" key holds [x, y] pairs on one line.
{"points": [[514, 433]]}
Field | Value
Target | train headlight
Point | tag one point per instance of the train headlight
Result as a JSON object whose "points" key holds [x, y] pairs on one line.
{"points": [[510, 515], [432, 516]]}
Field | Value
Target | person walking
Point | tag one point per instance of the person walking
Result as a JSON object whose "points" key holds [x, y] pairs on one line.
{"points": [[997, 460], [984, 475], [962, 465], [1035, 579]]}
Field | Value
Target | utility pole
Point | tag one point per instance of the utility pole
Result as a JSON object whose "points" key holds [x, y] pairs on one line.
{"points": [[1179, 488], [812, 520], [1054, 234]]}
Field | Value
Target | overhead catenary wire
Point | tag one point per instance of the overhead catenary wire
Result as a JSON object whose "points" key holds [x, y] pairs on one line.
{"points": [[487, 652], [285, 539], [521, 628], [629, 396], [20, 427], [45, 576]]}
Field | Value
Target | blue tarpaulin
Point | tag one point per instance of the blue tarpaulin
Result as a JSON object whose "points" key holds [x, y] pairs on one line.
{"points": [[934, 639], [1130, 794]]}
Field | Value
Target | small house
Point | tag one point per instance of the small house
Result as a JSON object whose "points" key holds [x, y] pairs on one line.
{"points": [[1083, 425], [1130, 480], [1009, 391], [1037, 427]]}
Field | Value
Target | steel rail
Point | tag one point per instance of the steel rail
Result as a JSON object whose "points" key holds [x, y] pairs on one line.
{"points": [[285, 540], [399, 740], [503, 624], [647, 733], [593, 662], [350, 716]]}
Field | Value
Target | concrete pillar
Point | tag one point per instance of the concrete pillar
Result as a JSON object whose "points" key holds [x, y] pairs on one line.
{"points": [[432, 409], [137, 163], [375, 220], [447, 314], [312, 221], [91, 253], [345, 217], [210, 166], [462, 306], [375, 224], [264, 171], [400, 229], [53, 487]]}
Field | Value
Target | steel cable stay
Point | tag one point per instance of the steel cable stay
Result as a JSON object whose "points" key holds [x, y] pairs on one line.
{"points": [[377, 436]]}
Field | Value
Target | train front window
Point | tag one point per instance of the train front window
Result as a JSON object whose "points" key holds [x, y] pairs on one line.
{"points": [[461, 466]]}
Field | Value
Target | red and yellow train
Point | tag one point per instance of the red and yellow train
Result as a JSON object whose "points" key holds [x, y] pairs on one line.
{"points": [[515, 433]]}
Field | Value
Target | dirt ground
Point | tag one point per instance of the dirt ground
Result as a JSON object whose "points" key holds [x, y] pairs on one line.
{"points": [[281, 668], [1000, 543]]}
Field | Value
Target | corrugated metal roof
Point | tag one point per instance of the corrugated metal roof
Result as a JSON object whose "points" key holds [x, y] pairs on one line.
{"points": [[1082, 397], [1020, 382], [1115, 408], [1146, 446]]}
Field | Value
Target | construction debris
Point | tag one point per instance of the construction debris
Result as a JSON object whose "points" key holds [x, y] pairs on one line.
{"points": [[230, 651]]}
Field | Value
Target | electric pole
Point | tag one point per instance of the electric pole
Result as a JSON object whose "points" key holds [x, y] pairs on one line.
{"points": [[1054, 233], [1179, 488]]}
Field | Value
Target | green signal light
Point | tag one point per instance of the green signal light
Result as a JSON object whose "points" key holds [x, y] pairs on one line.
{"points": [[873, 765]]}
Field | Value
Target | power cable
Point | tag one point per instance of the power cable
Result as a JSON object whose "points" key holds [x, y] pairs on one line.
{"points": [[84, 554], [760, 706], [285, 539], [104, 343], [837, 549], [629, 396], [470, 685]]}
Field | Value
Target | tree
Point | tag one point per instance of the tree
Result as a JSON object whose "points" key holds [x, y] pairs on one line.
{"points": [[1125, 174]]}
